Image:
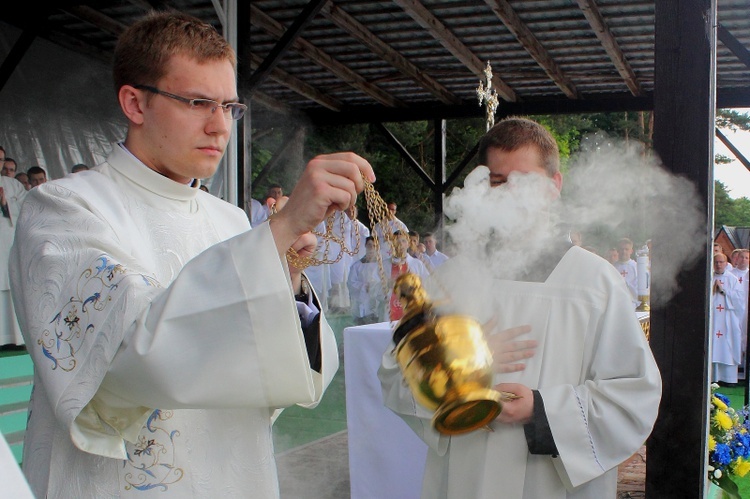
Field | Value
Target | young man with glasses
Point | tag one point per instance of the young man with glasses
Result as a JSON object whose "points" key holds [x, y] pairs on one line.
{"points": [[164, 332]]}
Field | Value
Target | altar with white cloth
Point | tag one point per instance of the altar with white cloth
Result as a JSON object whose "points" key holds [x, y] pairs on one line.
{"points": [[386, 458]]}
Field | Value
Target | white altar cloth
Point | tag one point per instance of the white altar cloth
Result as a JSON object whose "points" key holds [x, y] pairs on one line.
{"points": [[386, 458]]}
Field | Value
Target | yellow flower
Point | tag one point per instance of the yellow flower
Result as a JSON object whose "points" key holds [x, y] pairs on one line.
{"points": [[718, 403], [711, 442], [741, 467], [723, 420]]}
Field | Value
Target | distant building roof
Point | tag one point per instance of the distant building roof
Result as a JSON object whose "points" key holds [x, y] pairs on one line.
{"points": [[739, 237]]}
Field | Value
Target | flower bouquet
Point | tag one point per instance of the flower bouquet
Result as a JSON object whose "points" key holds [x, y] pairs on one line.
{"points": [[728, 444]]}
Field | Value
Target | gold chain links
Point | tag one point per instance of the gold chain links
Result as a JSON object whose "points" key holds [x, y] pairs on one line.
{"points": [[377, 211]]}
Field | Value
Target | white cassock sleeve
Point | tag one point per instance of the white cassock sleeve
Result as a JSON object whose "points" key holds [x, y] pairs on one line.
{"points": [[600, 422], [113, 344]]}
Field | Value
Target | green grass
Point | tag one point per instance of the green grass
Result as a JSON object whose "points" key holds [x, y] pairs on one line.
{"points": [[297, 426]]}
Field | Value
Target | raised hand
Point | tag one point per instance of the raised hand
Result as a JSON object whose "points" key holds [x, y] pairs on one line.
{"points": [[329, 182]]}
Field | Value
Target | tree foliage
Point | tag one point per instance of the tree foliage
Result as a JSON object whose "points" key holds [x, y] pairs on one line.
{"points": [[728, 211], [399, 182]]}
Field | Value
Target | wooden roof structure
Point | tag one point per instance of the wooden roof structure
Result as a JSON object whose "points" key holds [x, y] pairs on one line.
{"points": [[367, 61]]}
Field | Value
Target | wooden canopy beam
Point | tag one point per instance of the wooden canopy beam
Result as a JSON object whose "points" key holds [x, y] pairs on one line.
{"points": [[299, 86], [368, 114], [291, 136], [733, 44], [461, 166], [413, 163], [532, 45], [282, 46], [11, 61], [270, 103], [441, 33], [307, 49], [95, 17], [356, 29], [602, 31], [737, 153]]}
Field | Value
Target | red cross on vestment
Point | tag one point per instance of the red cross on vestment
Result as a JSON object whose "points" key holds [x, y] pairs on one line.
{"points": [[740, 280], [624, 273], [720, 308], [718, 334]]}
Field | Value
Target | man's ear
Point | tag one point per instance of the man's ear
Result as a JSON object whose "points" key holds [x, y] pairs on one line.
{"points": [[558, 180], [132, 102]]}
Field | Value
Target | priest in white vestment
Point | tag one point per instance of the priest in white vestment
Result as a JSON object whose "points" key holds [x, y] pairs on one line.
{"points": [[726, 338], [12, 194], [627, 268], [165, 334], [741, 271], [589, 395]]}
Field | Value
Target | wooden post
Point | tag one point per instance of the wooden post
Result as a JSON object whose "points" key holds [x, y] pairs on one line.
{"points": [[438, 176], [244, 126], [684, 98]]}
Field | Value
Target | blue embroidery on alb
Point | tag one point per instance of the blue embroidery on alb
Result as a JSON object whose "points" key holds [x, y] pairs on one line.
{"points": [[151, 460], [94, 291]]}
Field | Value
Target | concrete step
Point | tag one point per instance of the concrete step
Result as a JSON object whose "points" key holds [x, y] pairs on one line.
{"points": [[13, 408], [16, 381], [15, 438]]}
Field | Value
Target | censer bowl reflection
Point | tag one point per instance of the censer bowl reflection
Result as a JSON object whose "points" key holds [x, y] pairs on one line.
{"points": [[445, 361]]}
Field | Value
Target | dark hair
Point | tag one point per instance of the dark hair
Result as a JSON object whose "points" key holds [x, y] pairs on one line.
{"points": [[36, 170], [145, 47], [513, 133]]}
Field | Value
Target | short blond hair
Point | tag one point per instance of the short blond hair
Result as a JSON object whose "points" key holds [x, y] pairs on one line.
{"points": [[144, 48], [513, 133]]}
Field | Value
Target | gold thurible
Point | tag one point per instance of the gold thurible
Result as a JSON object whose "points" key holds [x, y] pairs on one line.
{"points": [[445, 361]]}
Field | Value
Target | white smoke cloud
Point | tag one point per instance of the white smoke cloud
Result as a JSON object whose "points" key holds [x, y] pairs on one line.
{"points": [[624, 187], [502, 229], [613, 190]]}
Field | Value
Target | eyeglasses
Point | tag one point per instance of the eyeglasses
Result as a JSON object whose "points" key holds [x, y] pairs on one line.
{"points": [[202, 107]]}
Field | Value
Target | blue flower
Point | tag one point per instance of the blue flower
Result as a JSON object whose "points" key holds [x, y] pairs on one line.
{"points": [[722, 455]]}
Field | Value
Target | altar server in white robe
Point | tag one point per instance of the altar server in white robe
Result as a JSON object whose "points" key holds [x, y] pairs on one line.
{"points": [[740, 271], [627, 268], [590, 393], [436, 257], [342, 228], [384, 231], [727, 301], [12, 194], [165, 334], [365, 284]]}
